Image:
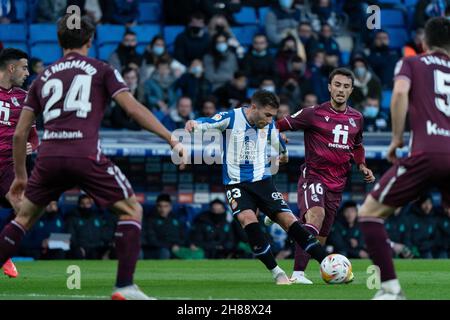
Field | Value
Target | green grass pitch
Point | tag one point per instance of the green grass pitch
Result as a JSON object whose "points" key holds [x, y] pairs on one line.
{"points": [[216, 279]]}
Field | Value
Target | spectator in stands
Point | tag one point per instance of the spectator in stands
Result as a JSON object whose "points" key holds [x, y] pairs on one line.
{"points": [[291, 91], [209, 107], [319, 76], [398, 228], [35, 243], [7, 11], [36, 67], [375, 119], [327, 42], [193, 42], [309, 41], [284, 110], [310, 99], [415, 47], [87, 230], [324, 14], [233, 93], [268, 84], [258, 62], [289, 50], [443, 234], [423, 227], [426, 9], [119, 118], [220, 63], [366, 83], [223, 7], [177, 118], [49, 11], [126, 55], [194, 85], [212, 232], [162, 232], [346, 237], [281, 21], [383, 59], [159, 90], [153, 52], [219, 24], [122, 12]]}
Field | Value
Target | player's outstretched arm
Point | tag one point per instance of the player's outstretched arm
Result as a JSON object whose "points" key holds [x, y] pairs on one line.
{"points": [[399, 109], [143, 116]]}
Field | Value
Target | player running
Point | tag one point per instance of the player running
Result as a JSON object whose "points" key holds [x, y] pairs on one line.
{"points": [[422, 85], [248, 135], [13, 73], [333, 138], [72, 94]]}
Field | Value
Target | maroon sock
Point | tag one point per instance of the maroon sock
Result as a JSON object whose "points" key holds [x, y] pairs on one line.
{"points": [[376, 239], [301, 256], [10, 239], [128, 245]]}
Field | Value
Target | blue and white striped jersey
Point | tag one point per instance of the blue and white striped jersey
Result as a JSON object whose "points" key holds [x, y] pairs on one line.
{"points": [[248, 153]]}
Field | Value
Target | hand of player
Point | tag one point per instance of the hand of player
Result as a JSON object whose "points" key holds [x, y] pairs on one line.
{"points": [[178, 148], [284, 158], [391, 153], [191, 125], [29, 148], [368, 174], [16, 193], [284, 138]]}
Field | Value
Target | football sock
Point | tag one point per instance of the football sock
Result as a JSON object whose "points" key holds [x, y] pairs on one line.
{"points": [[307, 241], [302, 257], [259, 245], [128, 244], [376, 239], [10, 239]]}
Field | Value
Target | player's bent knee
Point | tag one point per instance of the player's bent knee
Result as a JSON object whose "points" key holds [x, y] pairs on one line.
{"points": [[372, 208], [128, 209], [246, 217], [315, 216]]}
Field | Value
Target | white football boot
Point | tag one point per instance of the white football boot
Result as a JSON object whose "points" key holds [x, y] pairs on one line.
{"points": [[131, 292], [299, 277]]}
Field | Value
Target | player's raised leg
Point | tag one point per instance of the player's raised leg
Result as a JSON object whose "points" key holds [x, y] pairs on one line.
{"points": [[260, 246], [13, 233], [128, 244], [371, 220]]}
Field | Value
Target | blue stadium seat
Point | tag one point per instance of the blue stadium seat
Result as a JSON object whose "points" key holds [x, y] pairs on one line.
{"points": [[42, 32], [170, 33], [48, 52], [345, 57], [392, 18], [13, 32], [17, 45], [397, 37], [108, 33], [410, 3], [247, 15], [105, 50], [21, 10], [149, 12], [245, 34], [145, 33], [262, 13], [386, 99]]}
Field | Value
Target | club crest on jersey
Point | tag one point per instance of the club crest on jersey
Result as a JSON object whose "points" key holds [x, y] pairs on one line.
{"points": [[15, 101], [352, 122], [327, 118], [217, 117]]}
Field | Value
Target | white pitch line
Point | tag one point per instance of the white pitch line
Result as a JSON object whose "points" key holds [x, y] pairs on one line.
{"points": [[38, 295]]}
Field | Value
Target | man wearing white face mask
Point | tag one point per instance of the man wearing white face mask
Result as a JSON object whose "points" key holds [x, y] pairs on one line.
{"points": [[366, 83], [258, 62], [375, 120], [282, 20]]}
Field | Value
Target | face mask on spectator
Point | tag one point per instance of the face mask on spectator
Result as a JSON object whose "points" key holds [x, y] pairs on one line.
{"points": [[221, 47], [158, 50], [360, 72], [133, 86], [269, 88], [286, 4], [197, 70], [259, 53], [370, 111]]}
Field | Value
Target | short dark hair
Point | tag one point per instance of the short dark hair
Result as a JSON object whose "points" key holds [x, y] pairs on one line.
{"points": [[75, 38], [127, 70], [197, 16], [82, 197], [163, 197], [341, 71], [217, 201], [129, 31], [10, 54], [239, 74], [262, 98], [437, 33]]}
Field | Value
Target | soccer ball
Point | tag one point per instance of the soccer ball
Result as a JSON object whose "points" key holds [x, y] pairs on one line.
{"points": [[336, 268]]}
